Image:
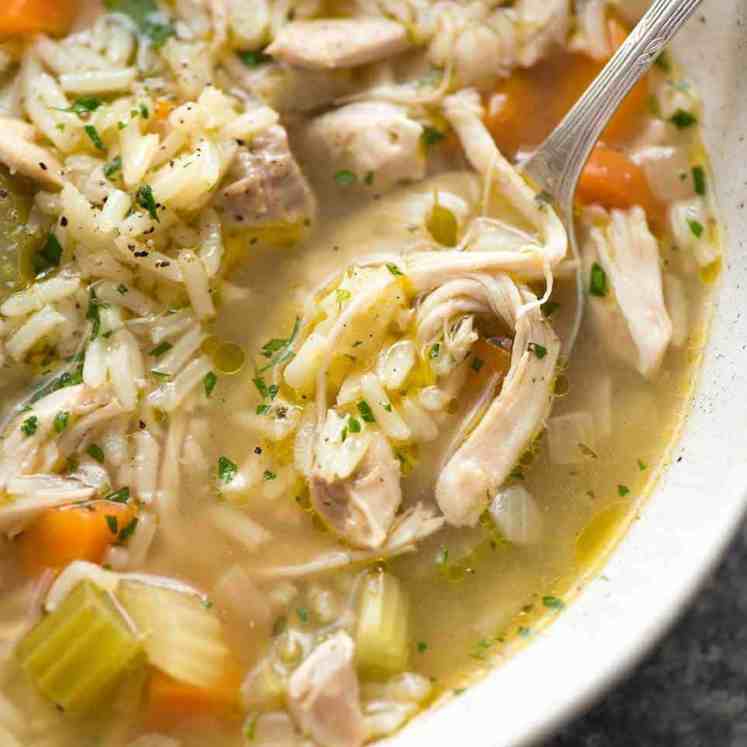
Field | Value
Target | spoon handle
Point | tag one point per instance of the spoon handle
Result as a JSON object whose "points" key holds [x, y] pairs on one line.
{"points": [[557, 163]]}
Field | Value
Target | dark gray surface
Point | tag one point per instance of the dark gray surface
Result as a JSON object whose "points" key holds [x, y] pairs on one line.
{"points": [[692, 690]]}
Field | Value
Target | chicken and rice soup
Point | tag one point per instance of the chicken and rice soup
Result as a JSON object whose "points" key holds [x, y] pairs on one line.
{"points": [[300, 434]]}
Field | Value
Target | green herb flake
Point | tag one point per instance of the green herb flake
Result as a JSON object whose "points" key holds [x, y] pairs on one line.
{"points": [[682, 119], [432, 136], [549, 308], [623, 490], [662, 62], [394, 269], [434, 351], [268, 475], [144, 198], [699, 180], [113, 524], [263, 409], [369, 178], [83, 105], [598, 282], [253, 58], [365, 411], [93, 313], [553, 603], [342, 295], [303, 614], [144, 113], [113, 167], [94, 137], [48, 256], [60, 421], [96, 452], [353, 424], [695, 227], [119, 496], [387, 407], [642, 466], [477, 364], [209, 382], [128, 531], [29, 426], [250, 728], [345, 178], [226, 469], [539, 350], [122, 289], [422, 647], [278, 350], [160, 349]]}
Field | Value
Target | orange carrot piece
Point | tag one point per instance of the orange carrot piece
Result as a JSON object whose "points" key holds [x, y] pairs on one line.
{"points": [[488, 357], [612, 180], [34, 16], [171, 702], [164, 107], [61, 535]]}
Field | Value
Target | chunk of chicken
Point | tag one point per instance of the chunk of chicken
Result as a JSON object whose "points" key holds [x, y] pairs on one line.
{"points": [[265, 186], [631, 318], [323, 695], [327, 44], [485, 460], [361, 508], [20, 154], [369, 137]]}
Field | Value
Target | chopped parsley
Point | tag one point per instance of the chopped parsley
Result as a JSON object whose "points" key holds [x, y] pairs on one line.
{"points": [[144, 113], [209, 382], [598, 282], [543, 198], [342, 295], [477, 364], [699, 180], [553, 603], [119, 496], [303, 614], [353, 424], [29, 426], [60, 421], [83, 105], [642, 466], [365, 411], [662, 62], [48, 256], [144, 198], [122, 289], [432, 136], [345, 178], [278, 350], [129, 530], [145, 15], [268, 475], [695, 227], [94, 137], [160, 349], [623, 490], [549, 308], [393, 269], [434, 351], [422, 647], [113, 167], [113, 524], [253, 58], [682, 119], [539, 350], [93, 313], [369, 178], [96, 452], [226, 469]]}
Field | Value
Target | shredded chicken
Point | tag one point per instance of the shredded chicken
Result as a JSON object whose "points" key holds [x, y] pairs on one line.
{"points": [[323, 695], [338, 43]]}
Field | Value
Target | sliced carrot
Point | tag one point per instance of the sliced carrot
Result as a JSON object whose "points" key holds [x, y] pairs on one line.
{"points": [[489, 357], [164, 107], [61, 535], [33, 16], [612, 180], [170, 702]]}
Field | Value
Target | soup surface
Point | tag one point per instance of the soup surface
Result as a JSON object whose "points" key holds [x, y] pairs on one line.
{"points": [[303, 426]]}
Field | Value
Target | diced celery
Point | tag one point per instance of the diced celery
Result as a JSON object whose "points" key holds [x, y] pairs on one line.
{"points": [[183, 636], [382, 642], [77, 655]]}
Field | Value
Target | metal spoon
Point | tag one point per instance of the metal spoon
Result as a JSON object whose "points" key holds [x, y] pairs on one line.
{"points": [[556, 165]]}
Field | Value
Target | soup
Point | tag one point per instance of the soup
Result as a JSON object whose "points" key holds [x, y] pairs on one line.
{"points": [[301, 434]]}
